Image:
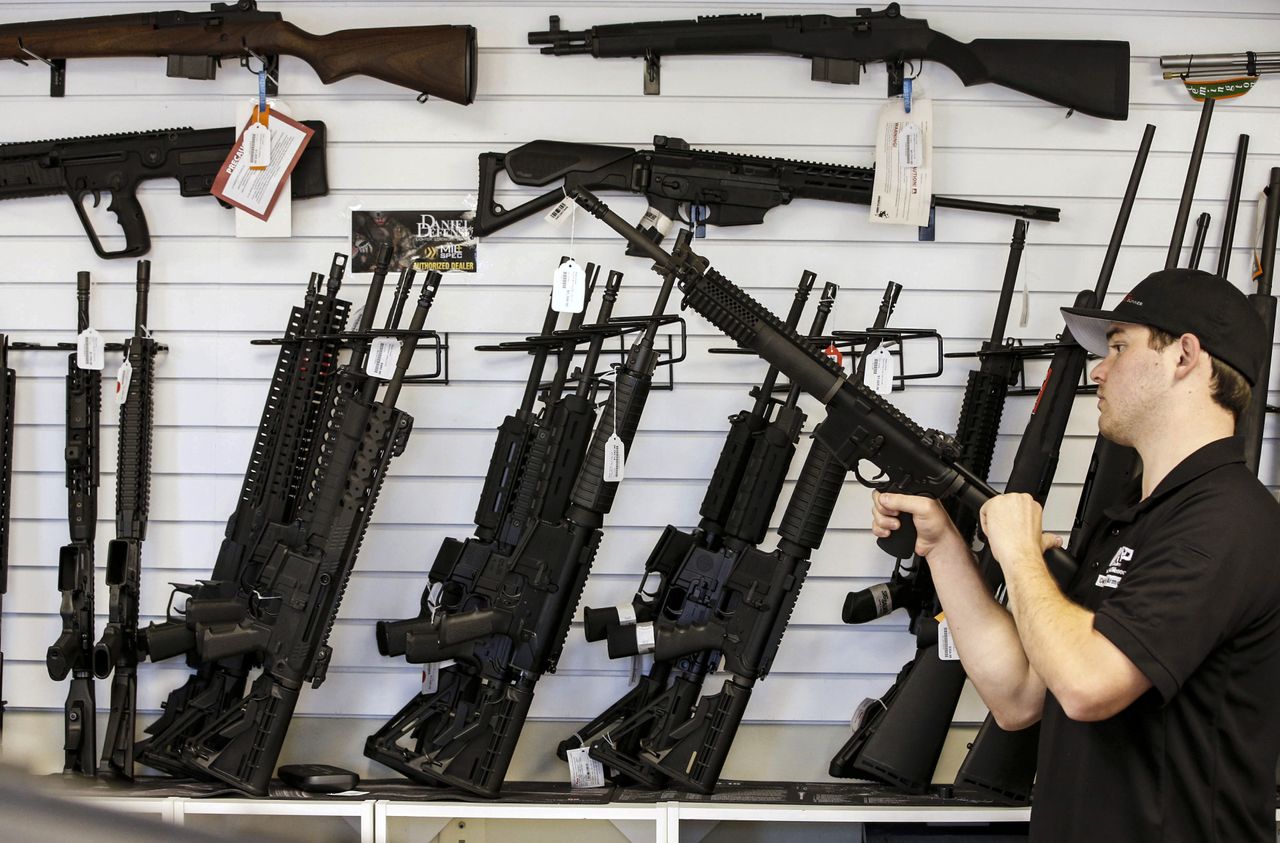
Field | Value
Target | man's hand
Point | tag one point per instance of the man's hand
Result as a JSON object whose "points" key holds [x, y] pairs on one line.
{"points": [[1013, 525], [933, 526]]}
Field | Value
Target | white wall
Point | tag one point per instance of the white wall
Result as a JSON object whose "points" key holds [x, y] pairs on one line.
{"points": [[212, 293]]}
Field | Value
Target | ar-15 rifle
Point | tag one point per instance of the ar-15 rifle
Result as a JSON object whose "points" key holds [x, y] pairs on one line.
{"points": [[436, 60], [286, 606], [8, 383], [273, 490], [504, 614], [73, 651], [116, 164], [118, 648], [730, 189], [896, 742], [1087, 76], [740, 497]]}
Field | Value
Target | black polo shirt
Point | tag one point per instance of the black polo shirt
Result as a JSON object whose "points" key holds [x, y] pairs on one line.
{"points": [[1186, 584]]}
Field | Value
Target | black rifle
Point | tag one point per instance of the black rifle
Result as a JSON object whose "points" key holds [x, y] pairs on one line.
{"points": [[116, 164], [73, 651], [734, 189], [436, 60], [1001, 764], [287, 605], [740, 497], [273, 491], [1251, 422], [898, 741], [1087, 76], [117, 650], [504, 612], [8, 382]]}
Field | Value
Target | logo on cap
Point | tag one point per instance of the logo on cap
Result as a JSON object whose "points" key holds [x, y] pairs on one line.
{"points": [[1129, 299]]}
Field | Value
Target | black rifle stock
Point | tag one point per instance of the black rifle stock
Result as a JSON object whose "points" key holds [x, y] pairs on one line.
{"points": [[85, 168], [272, 493], [504, 614], [8, 382], [735, 189], [899, 742], [435, 60], [72, 653], [288, 607], [1088, 76], [116, 653], [686, 571]]}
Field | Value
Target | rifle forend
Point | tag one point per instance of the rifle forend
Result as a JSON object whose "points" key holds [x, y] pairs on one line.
{"points": [[1088, 76], [439, 61]]}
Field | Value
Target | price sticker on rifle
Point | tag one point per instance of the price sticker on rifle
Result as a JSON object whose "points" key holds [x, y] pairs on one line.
{"points": [[91, 350], [946, 643], [431, 675], [569, 288], [584, 771], [383, 354], [561, 212], [123, 376], [615, 459], [879, 372]]}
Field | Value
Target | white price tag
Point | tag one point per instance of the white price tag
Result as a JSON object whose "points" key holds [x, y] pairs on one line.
{"points": [[645, 638], [615, 458], [91, 350], [123, 376], [569, 288], [946, 643], [561, 212], [257, 139], [383, 354], [584, 771], [626, 614], [353, 321], [430, 678], [902, 190], [879, 372], [860, 713]]}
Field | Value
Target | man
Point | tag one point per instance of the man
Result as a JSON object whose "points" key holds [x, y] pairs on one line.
{"points": [[1157, 673]]}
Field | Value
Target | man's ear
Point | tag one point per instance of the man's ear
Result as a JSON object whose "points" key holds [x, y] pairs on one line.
{"points": [[1190, 355]]}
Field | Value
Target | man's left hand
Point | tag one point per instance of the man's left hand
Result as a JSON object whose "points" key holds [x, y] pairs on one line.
{"points": [[1014, 527]]}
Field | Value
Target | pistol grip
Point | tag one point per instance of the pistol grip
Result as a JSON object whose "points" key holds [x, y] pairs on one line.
{"points": [[901, 543], [133, 223]]}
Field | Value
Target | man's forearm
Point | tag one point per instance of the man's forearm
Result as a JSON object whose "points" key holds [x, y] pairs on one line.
{"points": [[985, 635]]}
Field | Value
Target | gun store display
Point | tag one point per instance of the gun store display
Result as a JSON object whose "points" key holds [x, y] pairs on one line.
{"points": [[578, 575]]}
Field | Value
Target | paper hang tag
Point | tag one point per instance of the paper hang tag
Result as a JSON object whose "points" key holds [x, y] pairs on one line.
{"points": [[860, 713], [383, 354], [123, 376], [430, 678], [946, 643], [354, 319], [257, 140], [879, 372], [569, 288], [90, 350], [584, 771], [615, 458], [560, 213], [902, 190], [835, 354]]}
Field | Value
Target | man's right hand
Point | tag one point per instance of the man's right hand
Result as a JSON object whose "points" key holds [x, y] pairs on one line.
{"points": [[934, 528]]}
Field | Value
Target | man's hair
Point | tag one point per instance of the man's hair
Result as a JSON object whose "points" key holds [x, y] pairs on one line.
{"points": [[1227, 387]]}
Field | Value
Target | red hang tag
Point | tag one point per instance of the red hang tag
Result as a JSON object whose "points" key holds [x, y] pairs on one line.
{"points": [[835, 354]]}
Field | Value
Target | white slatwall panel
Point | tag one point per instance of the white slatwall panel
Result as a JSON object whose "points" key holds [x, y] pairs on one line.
{"points": [[211, 294]]}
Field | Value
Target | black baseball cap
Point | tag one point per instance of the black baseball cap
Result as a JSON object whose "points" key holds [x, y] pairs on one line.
{"points": [[1184, 301]]}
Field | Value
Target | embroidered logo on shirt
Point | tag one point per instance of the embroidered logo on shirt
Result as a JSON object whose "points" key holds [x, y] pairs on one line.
{"points": [[1111, 578]]}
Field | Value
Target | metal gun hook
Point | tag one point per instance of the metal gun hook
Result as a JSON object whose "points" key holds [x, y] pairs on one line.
{"points": [[244, 62], [35, 56]]}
